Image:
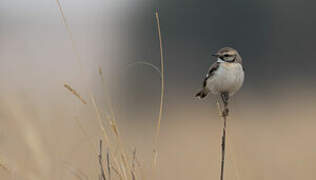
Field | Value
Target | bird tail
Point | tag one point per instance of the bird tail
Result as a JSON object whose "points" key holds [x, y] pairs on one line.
{"points": [[202, 94]]}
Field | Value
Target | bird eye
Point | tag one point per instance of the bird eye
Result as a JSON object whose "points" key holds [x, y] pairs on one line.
{"points": [[226, 55]]}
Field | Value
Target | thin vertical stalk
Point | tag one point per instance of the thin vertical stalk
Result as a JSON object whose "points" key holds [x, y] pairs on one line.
{"points": [[73, 43], [102, 175], [108, 164], [223, 149], [223, 114], [162, 87]]}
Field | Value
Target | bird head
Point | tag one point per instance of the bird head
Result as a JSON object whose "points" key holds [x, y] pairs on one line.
{"points": [[228, 54]]}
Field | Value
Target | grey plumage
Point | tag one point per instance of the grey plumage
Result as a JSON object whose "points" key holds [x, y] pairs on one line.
{"points": [[224, 76]]}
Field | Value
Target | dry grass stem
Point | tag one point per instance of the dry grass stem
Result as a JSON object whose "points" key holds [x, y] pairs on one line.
{"points": [[162, 89], [133, 171], [224, 139], [100, 162], [117, 172], [223, 148], [74, 92], [108, 165], [73, 43], [223, 114]]}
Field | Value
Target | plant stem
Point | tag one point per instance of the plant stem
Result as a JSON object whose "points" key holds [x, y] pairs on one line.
{"points": [[102, 176], [224, 114], [223, 148], [162, 89]]}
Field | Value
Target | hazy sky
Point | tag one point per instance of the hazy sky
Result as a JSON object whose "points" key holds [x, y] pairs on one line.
{"points": [[275, 39]]}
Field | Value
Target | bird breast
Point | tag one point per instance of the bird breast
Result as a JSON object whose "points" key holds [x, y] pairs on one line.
{"points": [[229, 78]]}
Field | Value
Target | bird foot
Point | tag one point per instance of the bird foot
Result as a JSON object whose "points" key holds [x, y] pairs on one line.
{"points": [[225, 112]]}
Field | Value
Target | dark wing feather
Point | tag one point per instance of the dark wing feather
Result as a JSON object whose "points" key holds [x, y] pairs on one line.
{"points": [[210, 73]]}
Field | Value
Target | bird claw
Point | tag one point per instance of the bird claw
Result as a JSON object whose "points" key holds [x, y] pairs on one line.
{"points": [[225, 112]]}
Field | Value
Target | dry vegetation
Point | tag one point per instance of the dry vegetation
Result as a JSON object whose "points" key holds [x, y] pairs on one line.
{"points": [[117, 159], [266, 140]]}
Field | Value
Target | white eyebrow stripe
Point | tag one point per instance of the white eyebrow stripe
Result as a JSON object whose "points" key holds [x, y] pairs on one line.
{"points": [[220, 60]]}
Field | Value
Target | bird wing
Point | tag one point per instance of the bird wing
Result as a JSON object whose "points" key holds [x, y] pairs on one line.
{"points": [[210, 73]]}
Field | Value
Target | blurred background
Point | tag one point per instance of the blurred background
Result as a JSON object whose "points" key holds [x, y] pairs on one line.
{"points": [[46, 132]]}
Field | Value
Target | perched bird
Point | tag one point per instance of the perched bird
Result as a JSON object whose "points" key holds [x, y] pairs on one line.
{"points": [[225, 77]]}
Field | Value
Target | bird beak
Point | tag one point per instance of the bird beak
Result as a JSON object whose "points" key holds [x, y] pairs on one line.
{"points": [[215, 55]]}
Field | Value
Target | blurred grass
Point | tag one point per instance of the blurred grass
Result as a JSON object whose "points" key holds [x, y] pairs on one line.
{"points": [[122, 164], [271, 138]]}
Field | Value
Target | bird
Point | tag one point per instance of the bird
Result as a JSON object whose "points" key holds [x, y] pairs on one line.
{"points": [[224, 77]]}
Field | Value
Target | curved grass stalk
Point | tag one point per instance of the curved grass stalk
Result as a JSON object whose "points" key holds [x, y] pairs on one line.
{"points": [[162, 90], [147, 64]]}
